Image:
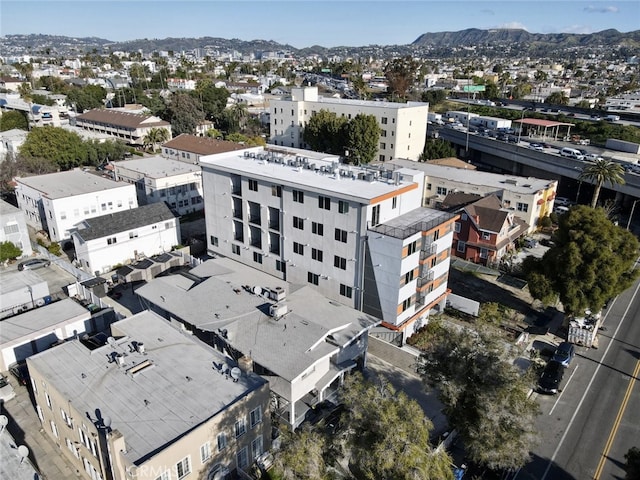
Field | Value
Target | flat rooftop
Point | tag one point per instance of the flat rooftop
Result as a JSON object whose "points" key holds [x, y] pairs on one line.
{"points": [[417, 220], [512, 183], [154, 397], [40, 319], [157, 167], [371, 103], [360, 184], [69, 183]]}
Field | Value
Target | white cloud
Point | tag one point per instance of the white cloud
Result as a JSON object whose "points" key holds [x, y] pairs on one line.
{"points": [[512, 25], [594, 9], [577, 29]]}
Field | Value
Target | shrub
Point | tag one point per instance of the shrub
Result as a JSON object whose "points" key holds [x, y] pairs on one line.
{"points": [[8, 251]]}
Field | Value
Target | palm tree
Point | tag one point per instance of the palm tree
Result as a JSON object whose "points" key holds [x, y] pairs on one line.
{"points": [[602, 171], [26, 93], [156, 136]]}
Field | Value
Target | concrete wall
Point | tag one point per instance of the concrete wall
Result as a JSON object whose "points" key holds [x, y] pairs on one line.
{"points": [[399, 357]]}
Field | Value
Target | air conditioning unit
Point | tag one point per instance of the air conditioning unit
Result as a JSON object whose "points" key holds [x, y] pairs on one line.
{"points": [[277, 294], [277, 310]]}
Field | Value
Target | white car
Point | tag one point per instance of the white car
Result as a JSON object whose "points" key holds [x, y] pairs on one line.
{"points": [[592, 157], [536, 146], [6, 390]]}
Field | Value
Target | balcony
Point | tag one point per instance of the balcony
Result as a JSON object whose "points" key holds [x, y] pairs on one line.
{"points": [[420, 299], [426, 278], [428, 250]]}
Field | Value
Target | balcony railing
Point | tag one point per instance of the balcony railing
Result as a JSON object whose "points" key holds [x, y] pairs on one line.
{"points": [[420, 226], [428, 250]]}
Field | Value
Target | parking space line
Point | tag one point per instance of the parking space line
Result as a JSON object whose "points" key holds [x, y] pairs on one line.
{"points": [[563, 390]]}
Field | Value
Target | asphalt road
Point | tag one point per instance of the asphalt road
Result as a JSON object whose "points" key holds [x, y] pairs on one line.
{"points": [[588, 427]]}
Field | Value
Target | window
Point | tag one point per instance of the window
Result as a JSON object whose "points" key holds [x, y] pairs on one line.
{"points": [[394, 202], [484, 253], [456, 227], [48, 399], [340, 262], [242, 458], [111, 241], [240, 427], [324, 202], [183, 467], [383, 145], [257, 257], [408, 276], [464, 217], [133, 234], [522, 207], [317, 228], [486, 236], [316, 254], [343, 207], [66, 418], [63, 215], [54, 429], [461, 246], [222, 441], [346, 291], [341, 235], [235, 249], [256, 447], [428, 186], [298, 196], [214, 241], [412, 247], [441, 191], [436, 235], [383, 120], [298, 248], [164, 476], [276, 190], [205, 452], [383, 133], [298, 223], [406, 304], [375, 215], [255, 416], [280, 266], [253, 185], [313, 278]]}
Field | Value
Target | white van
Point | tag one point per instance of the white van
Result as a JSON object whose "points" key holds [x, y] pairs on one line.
{"points": [[572, 153]]}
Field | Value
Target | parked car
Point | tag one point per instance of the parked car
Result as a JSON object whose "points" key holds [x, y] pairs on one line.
{"points": [[530, 243], [564, 353], [551, 378], [20, 372], [33, 264], [536, 146], [6, 390]]}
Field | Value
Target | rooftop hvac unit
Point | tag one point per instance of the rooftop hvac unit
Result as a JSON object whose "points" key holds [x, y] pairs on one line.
{"points": [[246, 154], [252, 155], [260, 156], [291, 163], [312, 166], [368, 177], [361, 175], [277, 310], [277, 294]]}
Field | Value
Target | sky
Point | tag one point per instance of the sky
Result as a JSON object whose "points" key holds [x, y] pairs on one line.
{"points": [[304, 23]]}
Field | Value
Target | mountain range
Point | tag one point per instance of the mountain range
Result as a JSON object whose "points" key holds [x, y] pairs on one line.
{"points": [[439, 42]]}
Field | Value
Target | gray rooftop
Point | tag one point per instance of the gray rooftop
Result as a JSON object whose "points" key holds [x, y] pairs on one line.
{"points": [[7, 209], [69, 183], [40, 319], [371, 103], [417, 220], [157, 167], [525, 185], [345, 186], [123, 221], [179, 389]]}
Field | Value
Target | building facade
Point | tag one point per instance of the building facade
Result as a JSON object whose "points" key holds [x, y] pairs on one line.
{"points": [[55, 202], [131, 128], [149, 405], [158, 179], [403, 126], [189, 148], [358, 235], [14, 228]]}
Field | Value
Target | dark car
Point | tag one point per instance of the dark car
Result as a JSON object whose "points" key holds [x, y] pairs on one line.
{"points": [[564, 353], [33, 264], [333, 421], [551, 378], [319, 411], [20, 372]]}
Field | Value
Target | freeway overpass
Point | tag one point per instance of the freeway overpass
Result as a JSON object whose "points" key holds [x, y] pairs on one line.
{"points": [[519, 159]]}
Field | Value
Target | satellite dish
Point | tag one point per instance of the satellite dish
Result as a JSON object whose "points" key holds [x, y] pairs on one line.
{"points": [[23, 452], [257, 290], [235, 373], [106, 421], [111, 341]]}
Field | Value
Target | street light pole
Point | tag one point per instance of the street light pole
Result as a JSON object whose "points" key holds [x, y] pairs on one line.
{"points": [[633, 207]]}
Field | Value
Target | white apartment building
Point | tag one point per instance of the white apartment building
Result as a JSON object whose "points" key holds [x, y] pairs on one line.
{"points": [[159, 179], [529, 198], [149, 405], [121, 237], [403, 125], [14, 228], [55, 202], [131, 128], [358, 235]]}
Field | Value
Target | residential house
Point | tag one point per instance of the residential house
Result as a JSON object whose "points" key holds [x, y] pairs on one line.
{"points": [[358, 235], [528, 198], [131, 128], [10, 142], [189, 148], [149, 404], [14, 228], [55, 202], [403, 126], [122, 237], [300, 341], [21, 291], [159, 179], [485, 231]]}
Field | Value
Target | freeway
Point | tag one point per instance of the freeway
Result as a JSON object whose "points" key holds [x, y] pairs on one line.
{"points": [[592, 423]]}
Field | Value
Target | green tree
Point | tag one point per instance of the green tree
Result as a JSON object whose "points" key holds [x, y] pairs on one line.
{"points": [[301, 455], [86, 98], [632, 465], [601, 172], [388, 435], [362, 135], [434, 97], [557, 98], [156, 136], [56, 145], [8, 251], [184, 114], [437, 148], [326, 132], [591, 261], [13, 119], [401, 75], [490, 411], [214, 100]]}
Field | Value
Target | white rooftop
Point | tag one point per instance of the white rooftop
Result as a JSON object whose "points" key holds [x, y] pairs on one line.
{"points": [[157, 167], [371, 103], [512, 183], [346, 182], [176, 388], [69, 183]]}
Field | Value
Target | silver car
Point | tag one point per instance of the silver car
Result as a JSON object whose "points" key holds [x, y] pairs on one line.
{"points": [[33, 264]]}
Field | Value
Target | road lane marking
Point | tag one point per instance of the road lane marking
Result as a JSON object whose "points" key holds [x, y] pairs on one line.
{"points": [[586, 390], [616, 424], [565, 387]]}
